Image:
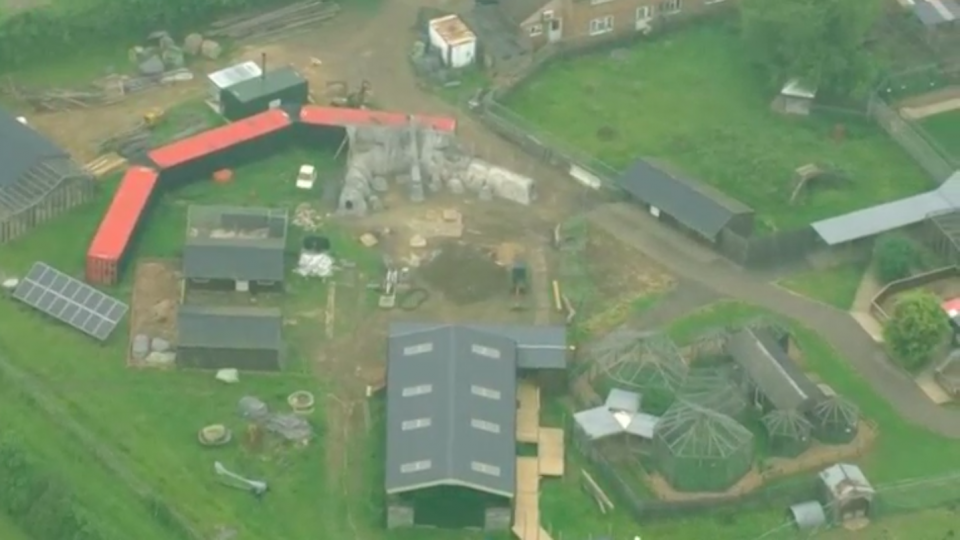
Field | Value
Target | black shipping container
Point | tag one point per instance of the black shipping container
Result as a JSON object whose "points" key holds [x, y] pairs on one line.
{"points": [[277, 88]]}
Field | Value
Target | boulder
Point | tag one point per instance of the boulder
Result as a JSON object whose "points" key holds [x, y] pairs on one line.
{"points": [[152, 66], [161, 359], [210, 49], [159, 345], [140, 347], [192, 44]]}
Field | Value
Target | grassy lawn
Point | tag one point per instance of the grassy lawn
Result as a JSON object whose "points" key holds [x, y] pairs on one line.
{"points": [[692, 99], [902, 451], [944, 129], [150, 418], [835, 286]]}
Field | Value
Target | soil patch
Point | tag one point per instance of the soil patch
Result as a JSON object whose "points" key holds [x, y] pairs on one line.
{"points": [[465, 274], [153, 307]]}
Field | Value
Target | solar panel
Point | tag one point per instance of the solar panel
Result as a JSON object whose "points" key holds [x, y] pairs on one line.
{"points": [[71, 301]]}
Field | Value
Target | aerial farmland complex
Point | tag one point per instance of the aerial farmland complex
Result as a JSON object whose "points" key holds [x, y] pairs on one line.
{"points": [[479, 270]]}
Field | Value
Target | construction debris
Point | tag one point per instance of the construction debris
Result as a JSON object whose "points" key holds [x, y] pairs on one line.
{"points": [[106, 91], [259, 26], [106, 164]]}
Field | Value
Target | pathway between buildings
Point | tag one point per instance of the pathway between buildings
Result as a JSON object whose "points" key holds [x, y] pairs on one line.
{"points": [[677, 253]]}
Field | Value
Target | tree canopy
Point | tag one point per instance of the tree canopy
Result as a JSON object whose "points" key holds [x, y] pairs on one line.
{"points": [[894, 257], [916, 329], [820, 42]]}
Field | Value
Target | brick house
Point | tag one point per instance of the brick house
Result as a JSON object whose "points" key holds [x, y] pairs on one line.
{"points": [[513, 28]]}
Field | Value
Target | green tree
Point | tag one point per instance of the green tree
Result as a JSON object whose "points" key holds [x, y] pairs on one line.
{"points": [[894, 256], [821, 42], [916, 329]]}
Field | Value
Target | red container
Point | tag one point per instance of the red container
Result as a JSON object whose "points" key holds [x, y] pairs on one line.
{"points": [[316, 115], [118, 225]]}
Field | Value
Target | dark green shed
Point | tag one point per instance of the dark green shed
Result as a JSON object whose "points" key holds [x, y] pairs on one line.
{"points": [[280, 87], [219, 337]]}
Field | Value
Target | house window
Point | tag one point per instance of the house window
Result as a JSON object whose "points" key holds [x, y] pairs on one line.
{"points": [[418, 423], [547, 15], [417, 349], [483, 425], [418, 390], [669, 7], [416, 466], [536, 30], [485, 468], [489, 352], [488, 393], [601, 25]]}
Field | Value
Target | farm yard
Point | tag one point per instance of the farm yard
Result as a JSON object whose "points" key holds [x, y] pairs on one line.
{"points": [[131, 444], [698, 105]]}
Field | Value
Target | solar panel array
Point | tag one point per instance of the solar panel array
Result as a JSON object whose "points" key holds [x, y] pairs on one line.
{"points": [[70, 300]]}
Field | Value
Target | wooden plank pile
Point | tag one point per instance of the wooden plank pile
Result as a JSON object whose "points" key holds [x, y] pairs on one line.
{"points": [[274, 24], [105, 164]]}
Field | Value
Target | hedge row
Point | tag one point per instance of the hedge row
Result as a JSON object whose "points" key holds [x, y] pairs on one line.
{"points": [[39, 503], [70, 25]]}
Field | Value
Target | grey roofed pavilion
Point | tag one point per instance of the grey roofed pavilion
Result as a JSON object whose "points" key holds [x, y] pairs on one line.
{"points": [[890, 216], [22, 148], [451, 410], [695, 205], [772, 370], [244, 244], [538, 347], [229, 327]]}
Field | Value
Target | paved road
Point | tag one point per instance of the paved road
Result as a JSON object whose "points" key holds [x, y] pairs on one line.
{"points": [[700, 265]]}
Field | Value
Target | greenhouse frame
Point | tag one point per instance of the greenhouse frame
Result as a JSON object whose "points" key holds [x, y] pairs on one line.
{"points": [[699, 450], [789, 433], [835, 420]]}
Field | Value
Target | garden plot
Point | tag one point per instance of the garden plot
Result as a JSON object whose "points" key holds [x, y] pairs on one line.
{"points": [[695, 102]]}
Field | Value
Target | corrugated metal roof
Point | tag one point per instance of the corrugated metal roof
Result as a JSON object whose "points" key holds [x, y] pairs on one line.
{"points": [[600, 422], [538, 347], [623, 400], [771, 370], [21, 148], [342, 116], [120, 220], [211, 260], [451, 410], [222, 327], [269, 83], [891, 215], [694, 205], [227, 77], [808, 515], [843, 476]]}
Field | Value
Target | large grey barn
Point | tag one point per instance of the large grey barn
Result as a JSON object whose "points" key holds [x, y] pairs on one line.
{"points": [[38, 180], [765, 368], [451, 420], [237, 247]]}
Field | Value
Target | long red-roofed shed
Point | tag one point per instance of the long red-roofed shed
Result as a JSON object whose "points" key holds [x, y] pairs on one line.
{"points": [[336, 116], [118, 224]]}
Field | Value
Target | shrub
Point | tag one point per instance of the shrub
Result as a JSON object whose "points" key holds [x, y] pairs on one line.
{"points": [[916, 329], [894, 257]]}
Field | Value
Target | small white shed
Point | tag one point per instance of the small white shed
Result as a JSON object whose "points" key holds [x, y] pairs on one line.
{"points": [[797, 97], [227, 77], [457, 43]]}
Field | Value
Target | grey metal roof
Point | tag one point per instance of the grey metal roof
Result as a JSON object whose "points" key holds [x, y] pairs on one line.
{"points": [[843, 476], [936, 12], [451, 410], [235, 74], [205, 260], [808, 515], [772, 370], [890, 216], [229, 327], [538, 347], [268, 83], [696, 206], [600, 422], [22, 147], [623, 400]]}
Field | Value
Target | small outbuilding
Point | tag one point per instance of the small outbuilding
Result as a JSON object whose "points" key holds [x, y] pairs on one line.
{"points": [[692, 206], [796, 97], [835, 420], [849, 495], [235, 247], [223, 337], [807, 515], [455, 42], [221, 80], [38, 180], [766, 370], [271, 90]]}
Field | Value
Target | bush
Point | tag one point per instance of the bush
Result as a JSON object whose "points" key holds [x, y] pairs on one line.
{"points": [[894, 257], [916, 330]]}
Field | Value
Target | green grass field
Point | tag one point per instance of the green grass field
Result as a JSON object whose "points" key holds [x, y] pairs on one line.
{"points": [[944, 129], [691, 99], [835, 286], [151, 417]]}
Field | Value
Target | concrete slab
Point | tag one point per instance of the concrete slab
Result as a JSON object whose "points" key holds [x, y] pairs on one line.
{"points": [[932, 389], [869, 324]]}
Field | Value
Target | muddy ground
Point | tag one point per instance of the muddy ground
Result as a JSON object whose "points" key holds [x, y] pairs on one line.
{"points": [[153, 305]]}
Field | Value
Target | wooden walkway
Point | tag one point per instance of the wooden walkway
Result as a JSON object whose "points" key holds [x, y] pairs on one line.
{"points": [[528, 412], [526, 515], [550, 452]]}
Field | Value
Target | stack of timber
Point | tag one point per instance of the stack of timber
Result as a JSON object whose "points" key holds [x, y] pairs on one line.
{"points": [[274, 24], [106, 164]]}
